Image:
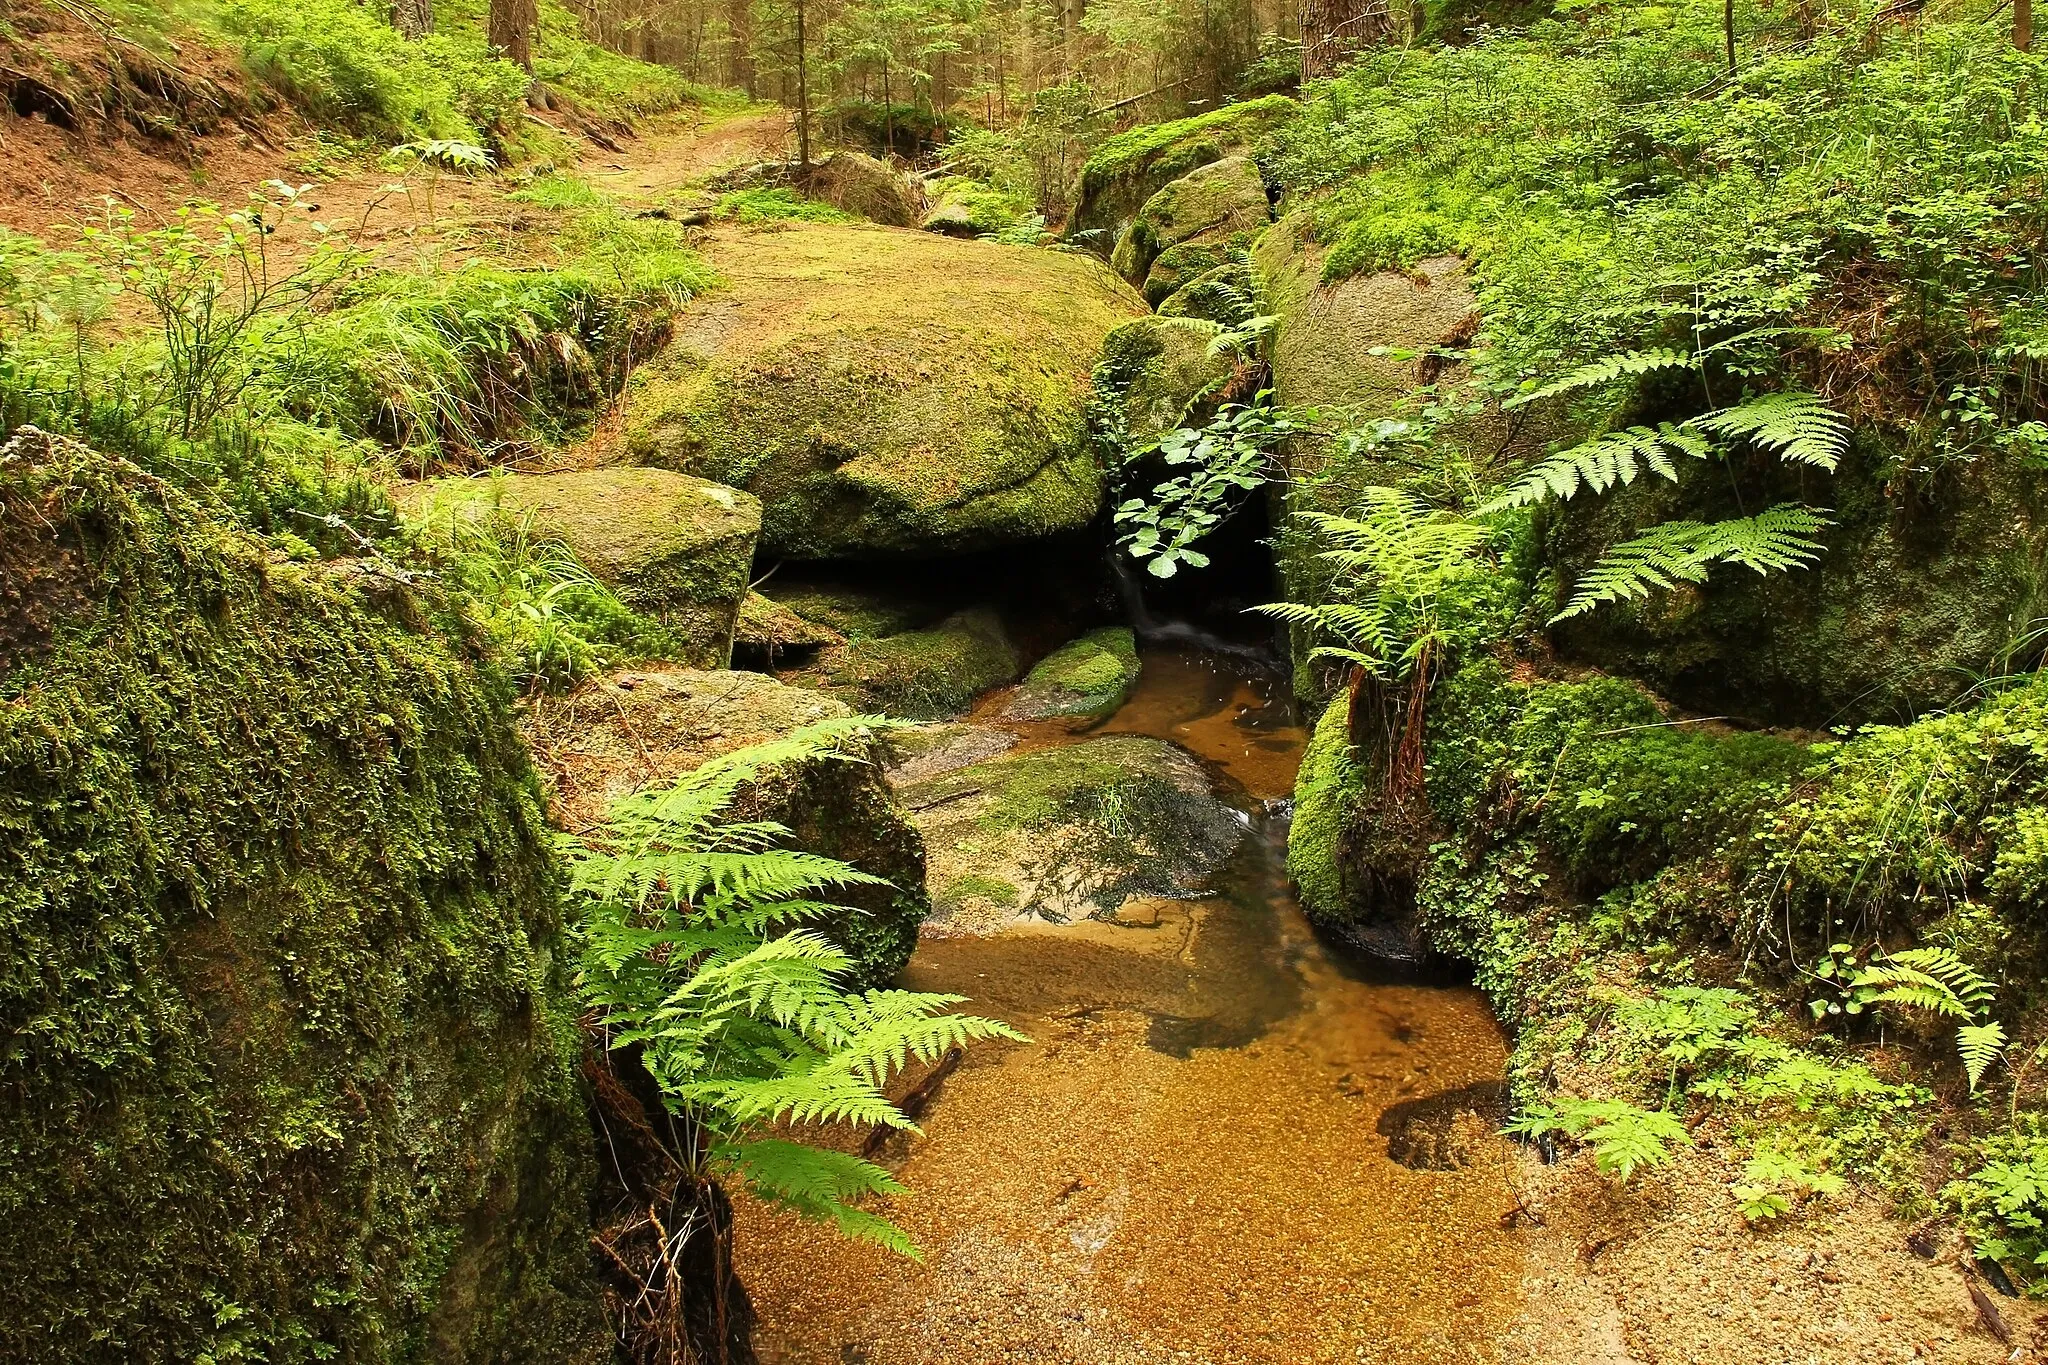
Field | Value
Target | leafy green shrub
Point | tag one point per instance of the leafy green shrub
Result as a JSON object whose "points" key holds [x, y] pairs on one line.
{"points": [[694, 957], [342, 63], [2003, 1203]]}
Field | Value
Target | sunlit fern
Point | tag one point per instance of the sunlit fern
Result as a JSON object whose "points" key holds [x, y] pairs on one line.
{"points": [[1675, 552]]}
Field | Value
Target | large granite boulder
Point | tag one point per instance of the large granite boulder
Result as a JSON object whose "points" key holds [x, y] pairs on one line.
{"points": [[1154, 375], [1188, 227], [673, 547], [618, 734], [1128, 169], [886, 394]]}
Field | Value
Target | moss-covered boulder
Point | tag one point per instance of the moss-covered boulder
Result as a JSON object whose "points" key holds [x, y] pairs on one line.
{"points": [[1922, 589], [860, 610], [1069, 833], [886, 393], [766, 626], [1080, 683], [961, 207], [867, 188], [1128, 169], [673, 547], [1188, 225], [1153, 371], [1224, 295], [618, 734], [922, 674], [289, 1072]]}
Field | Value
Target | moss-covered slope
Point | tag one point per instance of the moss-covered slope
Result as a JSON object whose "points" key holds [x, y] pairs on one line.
{"points": [[280, 1076], [886, 393]]}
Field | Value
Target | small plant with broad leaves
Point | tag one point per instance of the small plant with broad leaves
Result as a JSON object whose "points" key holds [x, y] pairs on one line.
{"points": [[701, 962], [1222, 463], [2003, 1203]]}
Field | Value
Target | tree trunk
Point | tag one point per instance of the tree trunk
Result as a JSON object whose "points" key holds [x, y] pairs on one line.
{"points": [[1334, 31], [413, 18], [2023, 25], [803, 98], [511, 29]]}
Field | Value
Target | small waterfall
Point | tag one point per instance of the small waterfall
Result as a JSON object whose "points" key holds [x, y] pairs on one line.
{"points": [[1151, 628]]}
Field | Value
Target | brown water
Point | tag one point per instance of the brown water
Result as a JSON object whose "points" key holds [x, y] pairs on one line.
{"points": [[1190, 1162]]}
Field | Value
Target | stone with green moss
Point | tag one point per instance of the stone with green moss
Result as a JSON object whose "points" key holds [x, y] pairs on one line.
{"points": [[1193, 220], [861, 185], [886, 393], [1069, 833], [1328, 789], [1081, 682], [768, 626], [618, 734], [961, 207], [675, 548], [922, 674], [283, 980], [1128, 169], [1225, 295], [1154, 373], [858, 610]]}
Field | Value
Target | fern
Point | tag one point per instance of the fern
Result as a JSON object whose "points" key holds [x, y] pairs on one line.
{"points": [[1624, 1137], [1933, 979], [1395, 559], [1980, 1046], [1604, 369], [1799, 426], [1676, 552], [694, 956], [1602, 463]]}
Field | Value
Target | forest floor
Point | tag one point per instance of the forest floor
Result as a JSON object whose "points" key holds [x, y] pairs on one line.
{"points": [[1093, 1198]]}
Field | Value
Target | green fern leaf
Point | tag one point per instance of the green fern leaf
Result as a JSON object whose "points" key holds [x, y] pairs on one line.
{"points": [[1676, 552], [1602, 463], [1980, 1045], [1799, 426], [1606, 368]]}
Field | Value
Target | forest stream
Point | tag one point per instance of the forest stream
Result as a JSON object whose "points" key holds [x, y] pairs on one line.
{"points": [[1190, 1160]]}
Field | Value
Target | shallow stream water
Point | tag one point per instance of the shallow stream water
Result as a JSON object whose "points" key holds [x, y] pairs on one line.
{"points": [[1194, 1159]]}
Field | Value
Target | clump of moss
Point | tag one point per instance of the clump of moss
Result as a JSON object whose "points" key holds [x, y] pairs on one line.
{"points": [[925, 674], [777, 205], [279, 975], [1328, 788], [1082, 681], [1131, 167]]}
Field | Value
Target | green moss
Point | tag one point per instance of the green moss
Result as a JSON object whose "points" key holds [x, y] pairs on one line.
{"points": [[777, 206], [279, 959], [964, 207], [674, 548], [1224, 295], [1131, 167], [1152, 376], [887, 393], [1179, 264], [1329, 787], [1085, 679], [856, 612], [924, 674], [985, 888]]}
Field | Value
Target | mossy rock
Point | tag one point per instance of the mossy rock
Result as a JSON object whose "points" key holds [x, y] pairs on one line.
{"points": [[1152, 370], [1919, 590], [1224, 295], [1355, 854], [673, 547], [1072, 832], [961, 207], [616, 735], [766, 625], [1082, 682], [1180, 264], [856, 610], [1128, 169], [1200, 214], [886, 394], [869, 188], [922, 674], [283, 982]]}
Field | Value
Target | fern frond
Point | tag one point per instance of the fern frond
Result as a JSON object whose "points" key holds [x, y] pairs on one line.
{"points": [[1674, 552], [1602, 463], [1962, 980], [821, 1184], [1604, 369], [1980, 1045], [1799, 426]]}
